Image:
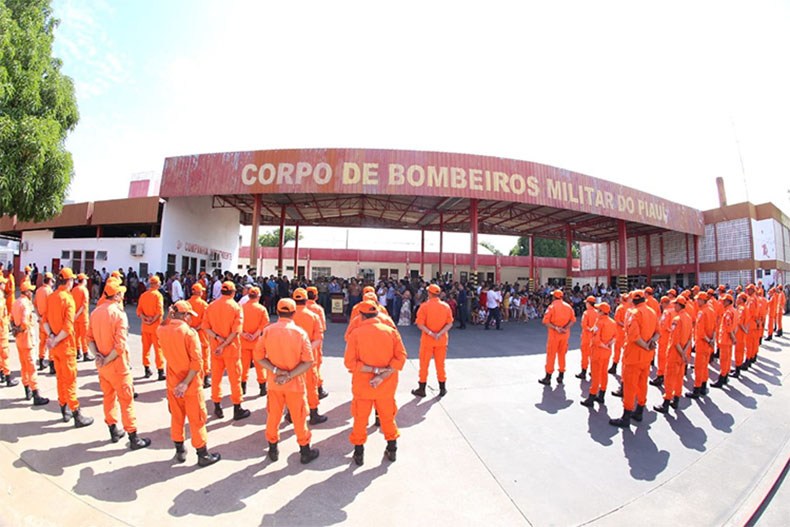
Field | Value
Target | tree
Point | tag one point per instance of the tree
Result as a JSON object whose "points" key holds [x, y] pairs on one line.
{"points": [[38, 109], [272, 239], [544, 247], [490, 247]]}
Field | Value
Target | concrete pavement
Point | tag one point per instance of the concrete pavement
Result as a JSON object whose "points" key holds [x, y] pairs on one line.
{"points": [[498, 448]]}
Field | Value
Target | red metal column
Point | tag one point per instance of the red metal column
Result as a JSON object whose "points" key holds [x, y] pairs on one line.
{"points": [[296, 252], [569, 256], [622, 269], [696, 260], [441, 242], [473, 249], [422, 253], [608, 264], [532, 274], [256, 221], [455, 265], [649, 256], [280, 244]]}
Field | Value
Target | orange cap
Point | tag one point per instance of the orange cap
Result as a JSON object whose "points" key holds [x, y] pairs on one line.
{"points": [[113, 287], [115, 274], [300, 294], [368, 289], [48, 275], [637, 294], [254, 292], [197, 286], [155, 279], [750, 287], [664, 299], [702, 295], [681, 300], [728, 297], [182, 306], [649, 290], [82, 276], [369, 307], [603, 306], [695, 288], [672, 292], [28, 268], [312, 289], [66, 273], [286, 305], [721, 287], [590, 299], [228, 286], [369, 296], [743, 297], [27, 286], [434, 289], [557, 293]]}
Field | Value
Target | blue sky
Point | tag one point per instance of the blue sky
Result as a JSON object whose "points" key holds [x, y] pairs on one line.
{"points": [[626, 91]]}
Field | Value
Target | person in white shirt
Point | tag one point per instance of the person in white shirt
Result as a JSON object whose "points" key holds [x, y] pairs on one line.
{"points": [[494, 306], [216, 289], [176, 291], [246, 298]]}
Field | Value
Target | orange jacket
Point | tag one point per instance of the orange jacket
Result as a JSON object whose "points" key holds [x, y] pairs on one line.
{"points": [[255, 319], [181, 347], [309, 322], [223, 316], [199, 307], [706, 322], [589, 319], [285, 345], [81, 300], [41, 299], [378, 345], [641, 322], [743, 319], [603, 332], [313, 306], [60, 312], [729, 319], [653, 304], [22, 314], [434, 315], [681, 333], [780, 303], [151, 304], [3, 325], [559, 313], [619, 318], [10, 288], [108, 328], [357, 320]]}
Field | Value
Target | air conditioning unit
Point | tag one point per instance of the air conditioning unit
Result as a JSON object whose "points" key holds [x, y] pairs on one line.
{"points": [[137, 249], [25, 246]]}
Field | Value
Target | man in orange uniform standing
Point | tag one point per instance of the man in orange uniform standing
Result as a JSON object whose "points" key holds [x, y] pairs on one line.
{"points": [[256, 318], [706, 329], [619, 319], [185, 399], [588, 322], [374, 355], [199, 305], [755, 332], [641, 334], [108, 328], [5, 372], [22, 315], [666, 314], [151, 310], [679, 343], [315, 307], [82, 305], [434, 319], [762, 303], [604, 333], [771, 314], [652, 303], [40, 305], [10, 288], [284, 350], [741, 333], [558, 319], [729, 322], [311, 324], [780, 308], [223, 322], [59, 323]]}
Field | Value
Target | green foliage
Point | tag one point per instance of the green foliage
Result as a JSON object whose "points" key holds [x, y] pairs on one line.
{"points": [[544, 247], [272, 239], [37, 109], [490, 247]]}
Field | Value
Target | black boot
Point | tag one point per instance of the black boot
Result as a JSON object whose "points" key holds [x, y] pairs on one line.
{"points": [[720, 382], [316, 418], [52, 367], [28, 393], [10, 381], [658, 381], [391, 450], [161, 375], [86, 357], [206, 382], [769, 338], [240, 413], [148, 372], [41, 364], [442, 389], [181, 454], [307, 454], [694, 394], [545, 380], [589, 401], [619, 392], [745, 365], [2, 377], [79, 355], [637, 415], [582, 374], [600, 397], [218, 411], [66, 412], [322, 393], [205, 458], [262, 386], [80, 420], [736, 374], [613, 369], [663, 408], [779, 333], [623, 422], [274, 452], [38, 400], [136, 443], [244, 387], [359, 454], [675, 402], [703, 390], [115, 433], [419, 392], [560, 377]]}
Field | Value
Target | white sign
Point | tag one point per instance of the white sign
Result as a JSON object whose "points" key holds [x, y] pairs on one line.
{"points": [[764, 239]]}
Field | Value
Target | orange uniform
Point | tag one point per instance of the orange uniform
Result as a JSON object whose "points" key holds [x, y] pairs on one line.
{"points": [[199, 306], [60, 317], [4, 319], [42, 293], [604, 333], [755, 331], [10, 290], [151, 304], [181, 347], [81, 302], [22, 315], [255, 319], [559, 313], [108, 328], [589, 319], [680, 328], [664, 333], [318, 351], [285, 345], [653, 304], [619, 318], [706, 328], [376, 345], [729, 321], [741, 336], [641, 322], [434, 315], [772, 302], [224, 316], [311, 324], [355, 321], [780, 309]]}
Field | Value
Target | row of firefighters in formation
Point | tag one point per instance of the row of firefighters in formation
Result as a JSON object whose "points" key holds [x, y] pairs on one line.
{"points": [[703, 322], [198, 342]]}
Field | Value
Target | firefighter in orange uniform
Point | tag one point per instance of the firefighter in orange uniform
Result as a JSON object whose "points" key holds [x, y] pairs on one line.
{"points": [[82, 301], [641, 334], [706, 329], [718, 306], [311, 324], [10, 288], [22, 317], [558, 319], [284, 350], [434, 319], [619, 318], [41, 308], [151, 309], [356, 319], [729, 321], [651, 300], [742, 325], [780, 308], [222, 323], [315, 307], [5, 372], [374, 355], [755, 333], [762, 304], [677, 350], [771, 313], [604, 333], [256, 318], [199, 305], [108, 329], [588, 321], [59, 323], [185, 399], [666, 314]]}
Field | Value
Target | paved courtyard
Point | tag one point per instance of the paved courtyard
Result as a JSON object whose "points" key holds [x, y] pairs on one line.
{"points": [[499, 449]]}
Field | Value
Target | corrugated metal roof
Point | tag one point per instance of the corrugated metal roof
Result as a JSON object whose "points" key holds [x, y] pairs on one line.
{"points": [[124, 211]]}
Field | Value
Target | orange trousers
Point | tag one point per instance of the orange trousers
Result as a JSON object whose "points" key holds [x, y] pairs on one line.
{"points": [[150, 338], [27, 367], [115, 381], [753, 342], [556, 346], [297, 407], [246, 357], [619, 342], [599, 375], [740, 347], [81, 335], [635, 384], [701, 359], [205, 352], [4, 357], [663, 344], [360, 411], [586, 349], [771, 325], [311, 385], [65, 357], [191, 406], [673, 378], [318, 352], [229, 360], [438, 353], [42, 341], [779, 319], [725, 356]]}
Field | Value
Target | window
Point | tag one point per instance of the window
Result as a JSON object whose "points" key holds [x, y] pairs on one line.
{"points": [[394, 274], [65, 255], [88, 261], [464, 276], [171, 263], [489, 277], [321, 272], [202, 265], [76, 261], [184, 263], [101, 256], [300, 271], [143, 270], [368, 275]]}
